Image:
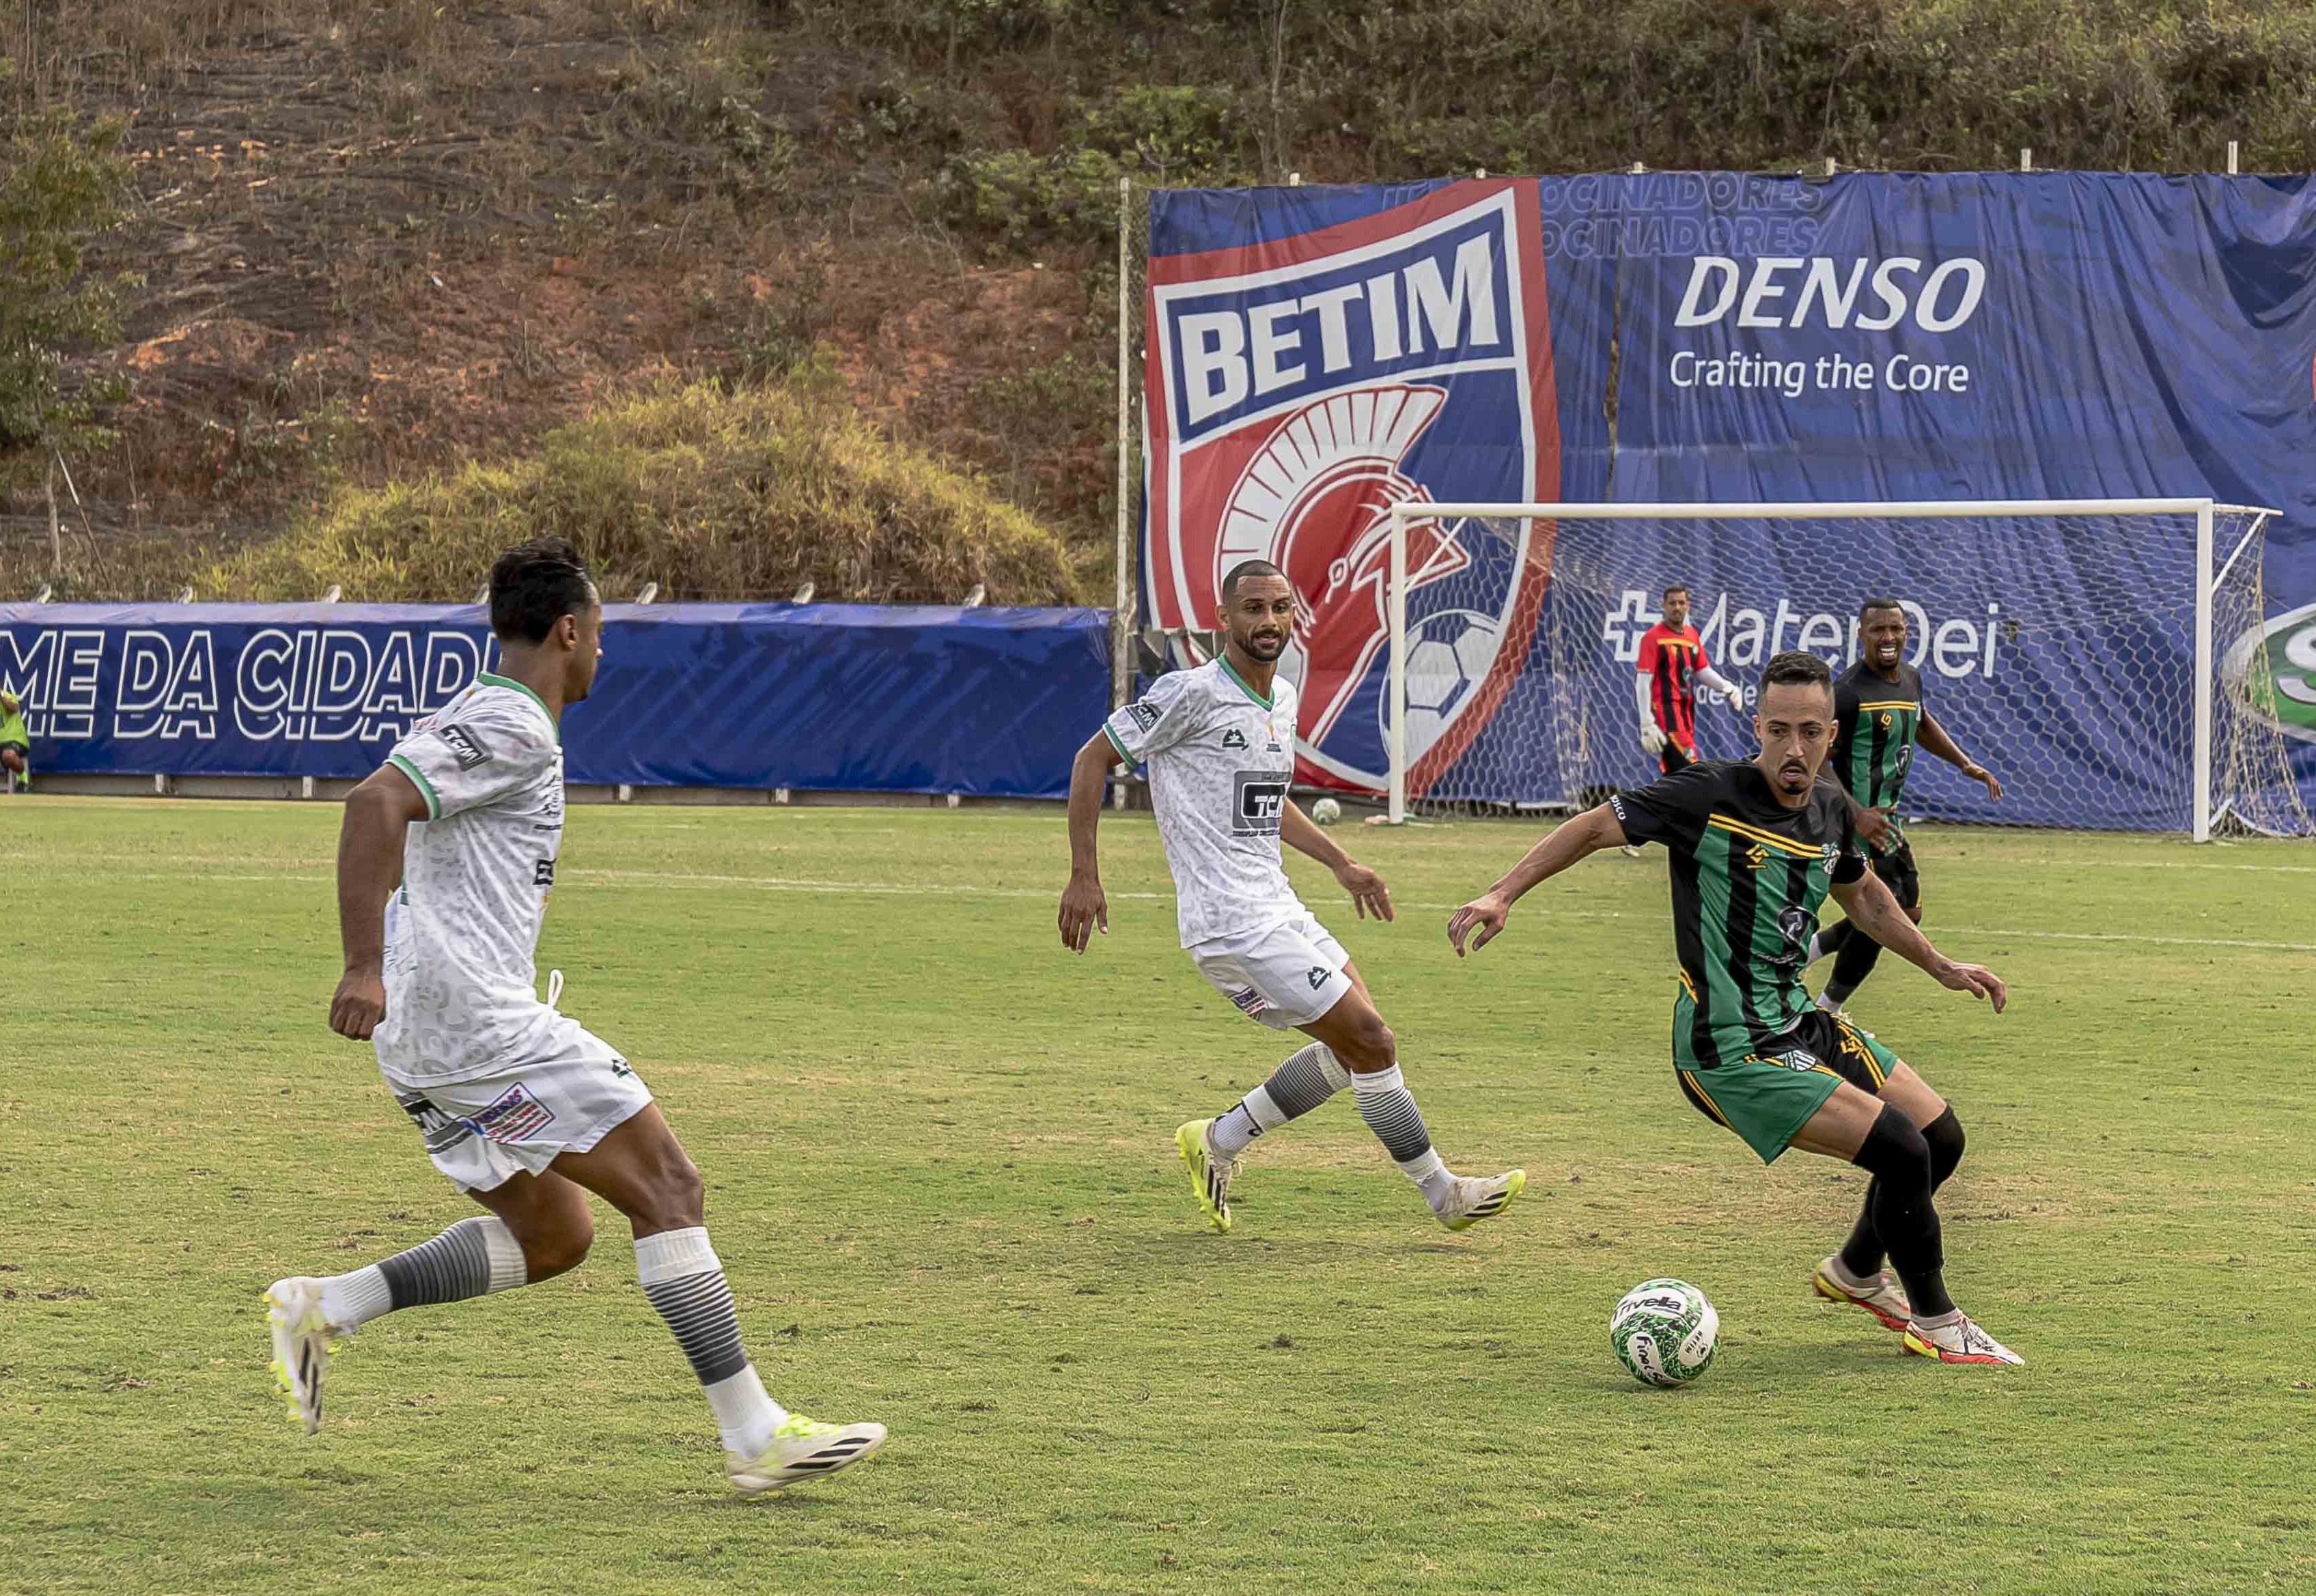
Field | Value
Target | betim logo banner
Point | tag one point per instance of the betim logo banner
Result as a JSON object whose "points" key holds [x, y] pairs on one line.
{"points": [[1318, 353], [1301, 387]]}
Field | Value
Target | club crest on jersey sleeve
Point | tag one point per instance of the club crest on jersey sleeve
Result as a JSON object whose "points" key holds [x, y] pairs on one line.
{"points": [[1297, 390]]}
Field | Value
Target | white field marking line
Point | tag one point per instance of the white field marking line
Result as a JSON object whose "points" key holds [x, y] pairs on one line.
{"points": [[2123, 936], [204, 859], [910, 890], [796, 884], [2181, 864]]}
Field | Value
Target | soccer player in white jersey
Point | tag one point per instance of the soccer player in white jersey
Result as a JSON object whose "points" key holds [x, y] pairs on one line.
{"points": [[444, 864], [1219, 741]]}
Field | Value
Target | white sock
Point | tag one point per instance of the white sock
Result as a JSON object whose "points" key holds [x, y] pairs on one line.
{"points": [[745, 1415], [1827, 1001], [351, 1301], [1432, 1177], [1840, 1270]]}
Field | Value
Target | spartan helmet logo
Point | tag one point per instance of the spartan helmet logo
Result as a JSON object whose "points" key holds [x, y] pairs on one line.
{"points": [[1333, 464]]}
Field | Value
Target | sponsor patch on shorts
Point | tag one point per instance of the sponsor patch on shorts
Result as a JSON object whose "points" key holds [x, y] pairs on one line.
{"points": [[1250, 1001], [514, 1115]]}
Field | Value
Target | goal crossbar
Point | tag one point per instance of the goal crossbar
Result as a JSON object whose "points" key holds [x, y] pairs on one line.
{"points": [[2203, 509]]}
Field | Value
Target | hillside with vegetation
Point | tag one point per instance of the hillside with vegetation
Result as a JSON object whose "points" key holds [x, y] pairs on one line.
{"points": [[746, 293]]}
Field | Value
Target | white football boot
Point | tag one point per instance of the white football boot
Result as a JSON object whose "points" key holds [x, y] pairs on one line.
{"points": [[302, 1343], [1481, 1197], [1883, 1297], [802, 1449], [1959, 1342]]}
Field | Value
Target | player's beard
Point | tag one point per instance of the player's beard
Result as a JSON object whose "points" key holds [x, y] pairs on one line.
{"points": [[1793, 777], [1264, 646]]}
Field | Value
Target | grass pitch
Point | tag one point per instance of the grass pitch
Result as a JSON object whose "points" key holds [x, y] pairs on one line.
{"points": [[941, 1177]]}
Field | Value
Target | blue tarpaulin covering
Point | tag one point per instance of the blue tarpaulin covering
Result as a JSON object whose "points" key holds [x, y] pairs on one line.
{"points": [[854, 697]]}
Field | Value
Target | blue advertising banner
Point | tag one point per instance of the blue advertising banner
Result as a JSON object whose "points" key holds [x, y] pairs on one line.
{"points": [[1316, 352], [850, 697]]}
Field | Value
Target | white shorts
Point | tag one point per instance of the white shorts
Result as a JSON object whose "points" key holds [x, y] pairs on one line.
{"points": [[565, 1099], [1287, 976]]}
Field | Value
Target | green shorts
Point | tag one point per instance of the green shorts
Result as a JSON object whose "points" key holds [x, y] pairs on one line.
{"points": [[1767, 1096]]}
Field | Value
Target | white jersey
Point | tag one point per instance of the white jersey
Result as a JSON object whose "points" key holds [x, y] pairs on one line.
{"points": [[1220, 757], [461, 992]]}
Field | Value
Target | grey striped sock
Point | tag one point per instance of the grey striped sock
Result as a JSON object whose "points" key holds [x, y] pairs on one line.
{"points": [[1304, 1080], [473, 1257], [684, 1280], [1389, 1109], [1301, 1083]]}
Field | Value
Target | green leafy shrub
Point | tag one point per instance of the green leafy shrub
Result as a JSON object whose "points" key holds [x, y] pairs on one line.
{"points": [[711, 493]]}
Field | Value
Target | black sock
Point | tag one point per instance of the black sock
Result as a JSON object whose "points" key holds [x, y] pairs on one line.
{"points": [[1861, 1254], [1830, 940], [1898, 1156], [1852, 963]]}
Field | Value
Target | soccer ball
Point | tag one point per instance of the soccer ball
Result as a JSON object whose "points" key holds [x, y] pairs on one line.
{"points": [[1327, 811], [1664, 1333]]}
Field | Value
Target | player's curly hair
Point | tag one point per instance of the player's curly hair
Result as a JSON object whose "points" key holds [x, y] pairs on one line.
{"points": [[535, 584]]}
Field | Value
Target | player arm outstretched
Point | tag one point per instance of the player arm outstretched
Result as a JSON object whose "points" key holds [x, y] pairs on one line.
{"points": [[1652, 738], [1874, 910], [377, 818], [1934, 737], [1299, 832], [1084, 906], [1569, 842], [1708, 677]]}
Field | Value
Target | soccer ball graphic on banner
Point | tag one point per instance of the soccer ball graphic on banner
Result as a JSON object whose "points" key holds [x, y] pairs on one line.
{"points": [[1664, 1333], [1449, 654]]}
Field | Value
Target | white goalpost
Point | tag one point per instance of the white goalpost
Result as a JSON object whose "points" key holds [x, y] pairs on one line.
{"points": [[2081, 643]]}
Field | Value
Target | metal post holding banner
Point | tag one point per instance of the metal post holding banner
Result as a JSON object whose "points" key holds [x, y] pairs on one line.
{"points": [[2204, 685], [1398, 606], [1121, 625]]}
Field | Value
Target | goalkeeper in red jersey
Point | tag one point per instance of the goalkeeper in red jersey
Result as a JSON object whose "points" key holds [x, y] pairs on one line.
{"points": [[1671, 663]]}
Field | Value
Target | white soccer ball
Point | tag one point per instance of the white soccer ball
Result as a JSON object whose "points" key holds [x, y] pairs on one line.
{"points": [[1664, 1333], [1327, 811]]}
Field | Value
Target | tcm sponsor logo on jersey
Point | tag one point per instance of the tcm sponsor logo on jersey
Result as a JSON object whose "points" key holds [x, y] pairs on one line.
{"points": [[1298, 389], [470, 749], [1259, 803], [1745, 635]]}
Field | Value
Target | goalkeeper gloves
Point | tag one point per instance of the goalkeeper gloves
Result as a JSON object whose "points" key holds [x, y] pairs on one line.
{"points": [[1652, 740]]}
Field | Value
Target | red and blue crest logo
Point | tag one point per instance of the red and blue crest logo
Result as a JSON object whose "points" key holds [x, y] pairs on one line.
{"points": [[1297, 389]]}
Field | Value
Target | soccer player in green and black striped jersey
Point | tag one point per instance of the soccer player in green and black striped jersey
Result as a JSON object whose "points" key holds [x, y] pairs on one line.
{"points": [[1755, 847], [1880, 716]]}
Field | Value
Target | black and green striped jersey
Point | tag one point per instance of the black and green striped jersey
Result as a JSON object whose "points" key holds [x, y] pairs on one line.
{"points": [[1747, 875], [1876, 721]]}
